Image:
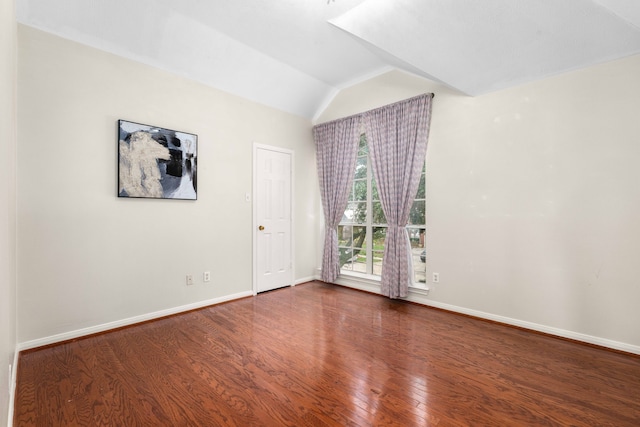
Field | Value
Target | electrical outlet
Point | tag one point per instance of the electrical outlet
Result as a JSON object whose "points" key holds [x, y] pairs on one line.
{"points": [[189, 279], [436, 277], [206, 276]]}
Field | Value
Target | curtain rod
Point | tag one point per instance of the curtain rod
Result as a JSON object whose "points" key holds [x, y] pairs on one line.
{"points": [[433, 95]]}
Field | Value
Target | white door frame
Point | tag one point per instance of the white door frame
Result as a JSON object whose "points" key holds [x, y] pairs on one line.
{"points": [[255, 224]]}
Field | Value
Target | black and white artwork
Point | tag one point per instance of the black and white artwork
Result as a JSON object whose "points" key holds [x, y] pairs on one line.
{"points": [[156, 163]]}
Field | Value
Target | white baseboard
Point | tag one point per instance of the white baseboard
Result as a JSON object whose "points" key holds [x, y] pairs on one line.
{"points": [[126, 322], [421, 298], [563, 333], [356, 284], [304, 280]]}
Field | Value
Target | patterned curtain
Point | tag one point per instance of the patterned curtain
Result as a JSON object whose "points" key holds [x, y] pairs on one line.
{"points": [[397, 135], [336, 151]]}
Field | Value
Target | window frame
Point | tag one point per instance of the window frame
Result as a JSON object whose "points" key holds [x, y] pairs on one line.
{"points": [[370, 225]]}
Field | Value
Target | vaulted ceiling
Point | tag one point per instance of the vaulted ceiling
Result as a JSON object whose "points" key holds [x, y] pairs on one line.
{"points": [[295, 55]]}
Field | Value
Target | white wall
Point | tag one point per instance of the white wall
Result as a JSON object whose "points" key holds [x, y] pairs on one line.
{"points": [[87, 258], [8, 65], [533, 199]]}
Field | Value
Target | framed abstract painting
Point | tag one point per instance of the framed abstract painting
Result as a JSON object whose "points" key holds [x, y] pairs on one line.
{"points": [[156, 163]]}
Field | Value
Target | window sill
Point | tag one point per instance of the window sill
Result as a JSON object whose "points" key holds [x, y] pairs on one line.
{"points": [[361, 276], [371, 283]]}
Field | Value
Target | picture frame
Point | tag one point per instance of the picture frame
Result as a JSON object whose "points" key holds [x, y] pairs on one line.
{"points": [[156, 162]]}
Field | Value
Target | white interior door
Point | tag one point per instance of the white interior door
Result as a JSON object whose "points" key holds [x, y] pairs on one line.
{"points": [[273, 257]]}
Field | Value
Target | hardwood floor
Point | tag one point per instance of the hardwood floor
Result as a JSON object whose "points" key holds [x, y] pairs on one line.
{"points": [[323, 355]]}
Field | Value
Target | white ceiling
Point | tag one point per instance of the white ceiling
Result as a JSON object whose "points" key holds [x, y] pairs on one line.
{"points": [[295, 55]]}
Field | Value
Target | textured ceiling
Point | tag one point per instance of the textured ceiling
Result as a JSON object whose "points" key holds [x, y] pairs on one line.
{"points": [[295, 55]]}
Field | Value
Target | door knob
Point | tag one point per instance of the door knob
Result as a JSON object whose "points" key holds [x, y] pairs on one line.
{"points": [[261, 227]]}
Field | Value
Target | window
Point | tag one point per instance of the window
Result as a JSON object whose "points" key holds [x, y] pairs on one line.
{"points": [[362, 231]]}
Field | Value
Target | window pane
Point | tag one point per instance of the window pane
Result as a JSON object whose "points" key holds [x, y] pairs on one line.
{"points": [[379, 236], [416, 216], [360, 189], [361, 167], [363, 148], [377, 263], [359, 212], [416, 237], [419, 254], [349, 213], [356, 213], [346, 259], [378, 214], [359, 236], [419, 271], [360, 261], [374, 190], [420, 194], [344, 235]]}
